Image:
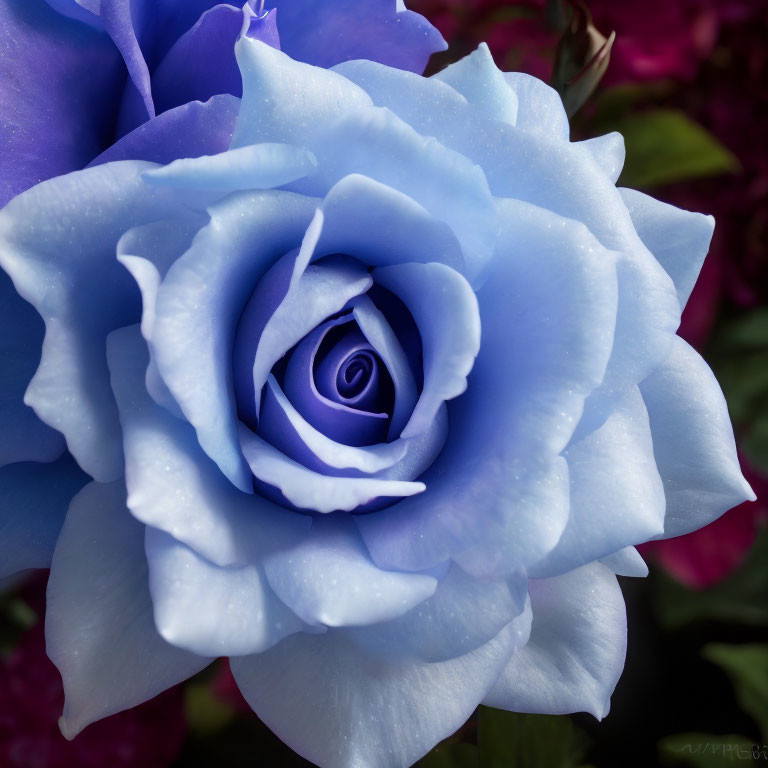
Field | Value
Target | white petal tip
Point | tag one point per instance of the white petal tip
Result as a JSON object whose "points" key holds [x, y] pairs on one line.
{"points": [[68, 731]]}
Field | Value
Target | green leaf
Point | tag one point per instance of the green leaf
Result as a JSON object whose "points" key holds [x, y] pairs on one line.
{"points": [[706, 750], [664, 146], [741, 598], [447, 755], [747, 666], [205, 712], [514, 740]]}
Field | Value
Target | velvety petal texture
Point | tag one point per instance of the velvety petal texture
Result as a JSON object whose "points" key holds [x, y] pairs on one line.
{"points": [[376, 376], [99, 627], [575, 653]]}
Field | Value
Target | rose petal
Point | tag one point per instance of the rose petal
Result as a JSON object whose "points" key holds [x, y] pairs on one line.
{"points": [[609, 153], [617, 497], [189, 131], [210, 610], [678, 239], [306, 489], [445, 309], [376, 329], [98, 626], [556, 287], [59, 83], [380, 225], [199, 303], [82, 293], [626, 562], [575, 653], [329, 579], [356, 29], [481, 83], [174, 486], [325, 682], [692, 442], [258, 166], [462, 615]]}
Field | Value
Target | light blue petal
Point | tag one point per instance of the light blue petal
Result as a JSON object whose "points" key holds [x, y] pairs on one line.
{"points": [[57, 241], [555, 287], [617, 497], [313, 294], [678, 239], [147, 252], [609, 153], [533, 161], [376, 143], [199, 303], [626, 562], [257, 166], [382, 338], [692, 442], [477, 78], [285, 100], [209, 610], [539, 107], [33, 502], [329, 580], [340, 707], [23, 437], [445, 309], [98, 627], [174, 486], [306, 489], [576, 650], [380, 225], [462, 615]]}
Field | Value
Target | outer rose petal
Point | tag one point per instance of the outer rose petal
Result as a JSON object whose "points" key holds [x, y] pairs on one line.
{"points": [[57, 241], [59, 82], [678, 239], [209, 610], [356, 708], [692, 442], [575, 653], [617, 497], [99, 627]]}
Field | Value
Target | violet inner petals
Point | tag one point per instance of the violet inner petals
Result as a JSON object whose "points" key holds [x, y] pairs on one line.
{"points": [[336, 401]]}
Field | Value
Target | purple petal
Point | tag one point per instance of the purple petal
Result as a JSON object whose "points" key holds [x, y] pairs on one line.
{"points": [[59, 81], [329, 33], [201, 62], [189, 131], [337, 420]]}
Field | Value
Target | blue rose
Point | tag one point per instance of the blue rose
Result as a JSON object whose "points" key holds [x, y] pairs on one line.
{"points": [[376, 403]]}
